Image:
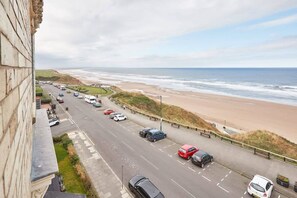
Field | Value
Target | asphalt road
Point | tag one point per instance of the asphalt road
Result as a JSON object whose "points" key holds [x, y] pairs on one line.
{"points": [[120, 145]]}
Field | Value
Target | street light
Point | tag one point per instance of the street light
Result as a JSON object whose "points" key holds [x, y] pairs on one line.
{"points": [[161, 119]]}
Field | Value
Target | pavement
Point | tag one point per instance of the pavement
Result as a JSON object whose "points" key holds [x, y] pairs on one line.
{"points": [[127, 154]]}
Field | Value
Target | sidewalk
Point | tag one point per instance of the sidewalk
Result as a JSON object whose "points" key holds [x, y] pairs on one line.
{"points": [[104, 180], [234, 157]]}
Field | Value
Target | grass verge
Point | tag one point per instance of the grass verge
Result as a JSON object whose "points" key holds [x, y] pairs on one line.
{"points": [[75, 178], [91, 90]]}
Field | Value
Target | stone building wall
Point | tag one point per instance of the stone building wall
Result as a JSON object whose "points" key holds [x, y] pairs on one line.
{"points": [[18, 22]]}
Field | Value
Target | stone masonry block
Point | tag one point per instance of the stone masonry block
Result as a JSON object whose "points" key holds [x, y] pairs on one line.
{"points": [[4, 150], [9, 55], [2, 83], [9, 104], [11, 80], [1, 188], [9, 168], [1, 122]]}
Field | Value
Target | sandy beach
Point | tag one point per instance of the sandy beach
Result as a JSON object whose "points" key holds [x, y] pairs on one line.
{"points": [[239, 113]]}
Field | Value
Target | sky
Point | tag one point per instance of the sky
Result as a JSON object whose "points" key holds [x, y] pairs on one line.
{"points": [[167, 33]]}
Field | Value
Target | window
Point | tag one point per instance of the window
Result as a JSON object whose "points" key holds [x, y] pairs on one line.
{"points": [[258, 187], [268, 185]]}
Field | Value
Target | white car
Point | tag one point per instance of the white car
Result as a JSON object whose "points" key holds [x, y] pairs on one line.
{"points": [[119, 117], [54, 121], [260, 187]]}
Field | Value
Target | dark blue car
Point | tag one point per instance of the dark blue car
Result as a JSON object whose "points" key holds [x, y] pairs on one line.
{"points": [[155, 135]]}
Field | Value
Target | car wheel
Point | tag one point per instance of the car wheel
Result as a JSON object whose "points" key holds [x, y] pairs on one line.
{"points": [[188, 157]]}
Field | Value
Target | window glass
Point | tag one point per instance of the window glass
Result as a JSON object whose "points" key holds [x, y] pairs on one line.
{"points": [[258, 187]]}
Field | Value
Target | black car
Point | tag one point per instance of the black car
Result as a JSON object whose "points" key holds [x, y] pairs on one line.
{"points": [[142, 187], [143, 132], [155, 135], [200, 158]]}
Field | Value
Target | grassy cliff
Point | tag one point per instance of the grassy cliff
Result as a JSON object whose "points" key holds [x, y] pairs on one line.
{"points": [[52, 75], [169, 112]]}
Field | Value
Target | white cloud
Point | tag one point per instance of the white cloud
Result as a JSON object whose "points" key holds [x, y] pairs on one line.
{"points": [[276, 22], [103, 32]]}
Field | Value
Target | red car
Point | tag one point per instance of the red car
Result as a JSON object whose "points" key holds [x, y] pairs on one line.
{"points": [[186, 151], [108, 111]]}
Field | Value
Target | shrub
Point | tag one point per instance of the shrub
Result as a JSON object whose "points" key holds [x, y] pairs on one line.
{"points": [[66, 142], [57, 139], [39, 94], [74, 159], [46, 100]]}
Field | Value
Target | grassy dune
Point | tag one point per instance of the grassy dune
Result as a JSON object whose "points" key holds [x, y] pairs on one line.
{"points": [[52, 75], [261, 139], [269, 141], [169, 112]]}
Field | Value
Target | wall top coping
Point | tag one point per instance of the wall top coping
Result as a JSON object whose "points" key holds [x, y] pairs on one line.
{"points": [[44, 161]]}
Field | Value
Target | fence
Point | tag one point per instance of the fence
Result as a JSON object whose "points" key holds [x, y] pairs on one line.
{"points": [[209, 133]]}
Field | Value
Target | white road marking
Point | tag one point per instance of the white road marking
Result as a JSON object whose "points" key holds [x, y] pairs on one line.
{"points": [[223, 189], [169, 155], [63, 120], [183, 163], [230, 172], [199, 173], [149, 162], [152, 145], [212, 162], [207, 166], [87, 143], [203, 169], [218, 184], [183, 188], [222, 179], [128, 146], [191, 169], [244, 193], [226, 175], [113, 134], [206, 178], [161, 150], [71, 121], [278, 196]]}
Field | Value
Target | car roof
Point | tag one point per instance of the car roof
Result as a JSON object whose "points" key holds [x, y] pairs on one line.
{"points": [[136, 179], [200, 153], [186, 146], [149, 187], [260, 180], [153, 130]]}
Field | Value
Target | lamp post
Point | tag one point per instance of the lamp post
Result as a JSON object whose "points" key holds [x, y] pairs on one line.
{"points": [[161, 119]]}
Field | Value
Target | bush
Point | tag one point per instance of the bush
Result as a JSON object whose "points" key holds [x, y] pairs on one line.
{"points": [[74, 159], [57, 139], [39, 94], [46, 100], [66, 142]]}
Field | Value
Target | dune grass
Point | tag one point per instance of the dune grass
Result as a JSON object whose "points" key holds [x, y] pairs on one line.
{"points": [[268, 141], [169, 112]]}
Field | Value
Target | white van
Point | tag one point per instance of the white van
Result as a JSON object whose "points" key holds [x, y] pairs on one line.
{"points": [[90, 99]]}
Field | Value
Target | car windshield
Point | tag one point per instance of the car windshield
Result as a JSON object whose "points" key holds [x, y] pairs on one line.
{"points": [[257, 187]]}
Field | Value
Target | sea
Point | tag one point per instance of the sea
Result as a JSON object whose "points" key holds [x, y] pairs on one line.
{"points": [[277, 85]]}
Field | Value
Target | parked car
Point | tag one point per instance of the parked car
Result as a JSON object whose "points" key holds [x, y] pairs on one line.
{"points": [[143, 132], [80, 97], [260, 187], [54, 122], [142, 187], [155, 135], [75, 94], [97, 104], [119, 117], [186, 151], [200, 158], [108, 111], [112, 115], [61, 94]]}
